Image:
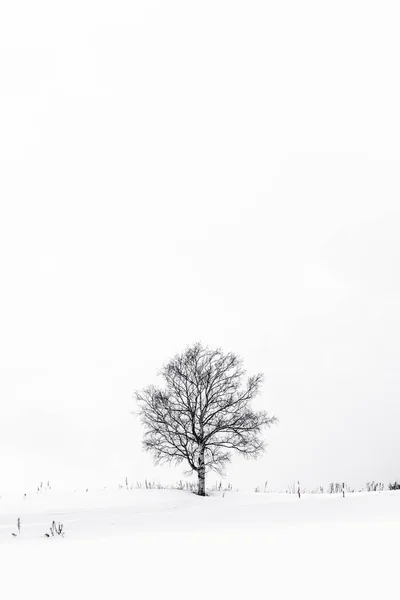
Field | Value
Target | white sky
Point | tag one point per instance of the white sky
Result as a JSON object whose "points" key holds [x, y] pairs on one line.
{"points": [[217, 171]]}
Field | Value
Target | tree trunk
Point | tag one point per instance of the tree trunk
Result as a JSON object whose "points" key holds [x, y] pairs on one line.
{"points": [[202, 474]]}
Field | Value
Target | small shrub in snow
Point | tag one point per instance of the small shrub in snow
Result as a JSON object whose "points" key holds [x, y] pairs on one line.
{"points": [[373, 486], [43, 487], [56, 530], [339, 487], [157, 485], [394, 486]]}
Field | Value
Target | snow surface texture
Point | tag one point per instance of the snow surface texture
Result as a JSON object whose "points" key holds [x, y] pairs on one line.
{"points": [[173, 544]]}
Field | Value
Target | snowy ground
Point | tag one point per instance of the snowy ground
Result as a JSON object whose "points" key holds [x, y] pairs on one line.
{"points": [[172, 544]]}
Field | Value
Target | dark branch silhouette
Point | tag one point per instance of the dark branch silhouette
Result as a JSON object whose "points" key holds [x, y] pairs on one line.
{"points": [[203, 412]]}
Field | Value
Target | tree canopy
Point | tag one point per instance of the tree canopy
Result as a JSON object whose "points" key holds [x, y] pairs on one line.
{"points": [[203, 412]]}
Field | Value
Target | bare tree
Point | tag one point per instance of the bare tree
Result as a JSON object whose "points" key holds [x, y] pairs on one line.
{"points": [[203, 412]]}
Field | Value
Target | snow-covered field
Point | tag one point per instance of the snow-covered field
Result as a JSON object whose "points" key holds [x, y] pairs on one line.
{"points": [[173, 544]]}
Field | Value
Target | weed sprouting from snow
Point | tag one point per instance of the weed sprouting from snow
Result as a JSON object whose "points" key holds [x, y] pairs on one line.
{"points": [[56, 530], [373, 486], [157, 485], [43, 487], [18, 527], [394, 486]]}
